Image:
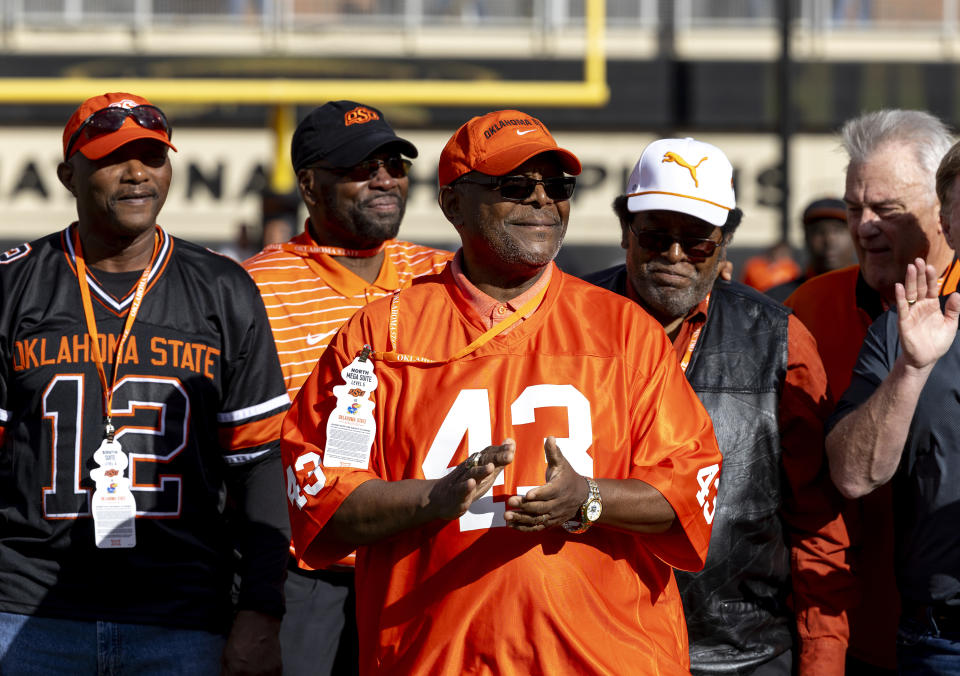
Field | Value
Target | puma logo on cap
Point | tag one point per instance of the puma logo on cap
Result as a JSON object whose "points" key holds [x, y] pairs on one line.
{"points": [[673, 157]]}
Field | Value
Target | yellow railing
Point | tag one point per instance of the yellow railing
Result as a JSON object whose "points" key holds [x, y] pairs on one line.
{"points": [[283, 93]]}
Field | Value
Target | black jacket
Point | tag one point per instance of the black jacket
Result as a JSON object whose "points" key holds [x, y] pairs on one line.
{"points": [[736, 610]]}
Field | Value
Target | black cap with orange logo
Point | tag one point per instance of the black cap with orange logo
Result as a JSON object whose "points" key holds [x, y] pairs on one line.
{"points": [[343, 134]]}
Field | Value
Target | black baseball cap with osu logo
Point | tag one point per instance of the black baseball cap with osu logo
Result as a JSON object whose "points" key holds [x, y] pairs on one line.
{"points": [[343, 134]]}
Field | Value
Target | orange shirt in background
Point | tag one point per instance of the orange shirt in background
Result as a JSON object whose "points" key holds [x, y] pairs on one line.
{"points": [[762, 273]]}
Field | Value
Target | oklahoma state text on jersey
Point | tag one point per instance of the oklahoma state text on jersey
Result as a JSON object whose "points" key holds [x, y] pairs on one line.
{"points": [[197, 406], [309, 296], [470, 595]]}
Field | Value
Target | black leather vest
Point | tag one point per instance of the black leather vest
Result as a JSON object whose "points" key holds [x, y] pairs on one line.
{"points": [[737, 617]]}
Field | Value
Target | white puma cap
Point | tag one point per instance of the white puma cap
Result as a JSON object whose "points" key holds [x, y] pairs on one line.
{"points": [[685, 175]]}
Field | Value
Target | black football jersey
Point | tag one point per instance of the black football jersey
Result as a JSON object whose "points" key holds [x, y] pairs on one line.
{"points": [[197, 405]]}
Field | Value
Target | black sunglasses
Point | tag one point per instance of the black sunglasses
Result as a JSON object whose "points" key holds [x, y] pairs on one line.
{"points": [[109, 120], [397, 167], [696, 248], [520, 188]]}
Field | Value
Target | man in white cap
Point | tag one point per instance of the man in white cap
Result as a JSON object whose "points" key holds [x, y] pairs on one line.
{"points": [[777, 529]]}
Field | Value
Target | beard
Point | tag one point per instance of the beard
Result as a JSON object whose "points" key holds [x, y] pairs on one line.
{"points": [[667, 302], [530, 254], [367, 226], [370, 224]]}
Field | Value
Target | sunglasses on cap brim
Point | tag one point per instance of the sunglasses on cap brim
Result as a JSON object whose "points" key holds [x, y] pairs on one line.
{"points": [[109, 120]]}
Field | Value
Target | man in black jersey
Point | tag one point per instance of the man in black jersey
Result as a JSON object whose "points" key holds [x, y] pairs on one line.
{"points": [[140, 401]]}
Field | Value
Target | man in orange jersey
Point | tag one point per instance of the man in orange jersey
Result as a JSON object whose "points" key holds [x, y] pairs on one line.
{"points": [[140, 402], [514, 453], [777, 534], [892, 213], [352, 177]]}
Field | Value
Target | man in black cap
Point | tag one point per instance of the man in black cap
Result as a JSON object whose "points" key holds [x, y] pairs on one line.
{"points": [[828, 242], [352, 174]]}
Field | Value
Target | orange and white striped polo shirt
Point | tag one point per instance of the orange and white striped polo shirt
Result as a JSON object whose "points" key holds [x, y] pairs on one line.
{"points": [[309, 295]]}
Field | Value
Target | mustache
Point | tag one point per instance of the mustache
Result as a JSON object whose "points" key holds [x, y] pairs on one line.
{"points": [[535, 217], [654, 268], [137, 194], [379, 199]]}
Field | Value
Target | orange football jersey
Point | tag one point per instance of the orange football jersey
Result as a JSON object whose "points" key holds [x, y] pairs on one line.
{"points": [[471, 595]]}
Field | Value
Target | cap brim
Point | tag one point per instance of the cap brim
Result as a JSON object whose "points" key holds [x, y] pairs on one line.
{"points": [[824, 214], [714, 214], [358, 150], [102, 146], [506, 161]]}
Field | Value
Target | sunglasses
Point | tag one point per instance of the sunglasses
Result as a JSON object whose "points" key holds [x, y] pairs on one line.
{"points": [[696, 248], [520, 188], [364, 171], [109, 120]]}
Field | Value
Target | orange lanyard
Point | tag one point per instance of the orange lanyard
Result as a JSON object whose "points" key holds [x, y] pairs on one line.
{"points": [[329, 250], [393, 356], [949, 279], [685, 362], [92, 324]]}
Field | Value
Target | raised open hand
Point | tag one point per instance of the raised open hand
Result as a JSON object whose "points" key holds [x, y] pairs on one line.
{"points": [[926, 333]]}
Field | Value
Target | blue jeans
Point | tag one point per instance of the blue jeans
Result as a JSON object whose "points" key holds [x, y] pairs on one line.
{"points": [[923, 649], [37, 646]]}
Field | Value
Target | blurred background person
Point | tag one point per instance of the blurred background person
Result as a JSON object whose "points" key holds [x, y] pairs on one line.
{"points": [[774, 266], [827, 241]]}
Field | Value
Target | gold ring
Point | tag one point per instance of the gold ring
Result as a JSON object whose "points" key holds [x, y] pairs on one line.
{"points": [[911, 302], [473, 460]]}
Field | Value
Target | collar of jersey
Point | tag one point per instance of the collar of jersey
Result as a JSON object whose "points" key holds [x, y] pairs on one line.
{"points": [[341, 279], [468, 311], [118, 306]]}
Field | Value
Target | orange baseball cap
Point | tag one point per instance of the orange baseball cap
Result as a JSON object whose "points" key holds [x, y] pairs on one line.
{"points": [[497, 143], [97, 145]]}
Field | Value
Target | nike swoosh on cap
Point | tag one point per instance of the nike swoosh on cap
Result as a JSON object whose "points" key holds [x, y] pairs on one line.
{"points": [[521, 133]]}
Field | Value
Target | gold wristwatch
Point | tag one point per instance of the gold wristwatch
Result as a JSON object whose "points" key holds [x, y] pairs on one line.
{"points": [[589, 511]]}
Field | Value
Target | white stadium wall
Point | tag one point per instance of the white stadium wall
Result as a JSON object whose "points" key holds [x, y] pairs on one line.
{"points": [[215, 169]]}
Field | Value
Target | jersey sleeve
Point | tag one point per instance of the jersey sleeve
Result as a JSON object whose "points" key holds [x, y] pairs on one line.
{"points": [[315, 491], [675, 451], [254, 401], [11, 273], [254, 395]]}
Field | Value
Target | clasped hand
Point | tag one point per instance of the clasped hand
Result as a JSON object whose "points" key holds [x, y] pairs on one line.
{"points": [[546, 506]]}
